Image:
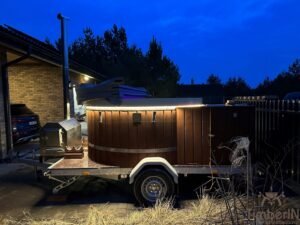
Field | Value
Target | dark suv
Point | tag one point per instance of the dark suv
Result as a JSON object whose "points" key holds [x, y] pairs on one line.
{"points": [[25, 123]]}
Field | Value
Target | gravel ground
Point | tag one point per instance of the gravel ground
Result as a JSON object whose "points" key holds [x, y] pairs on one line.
{"points": [[21, 193]]}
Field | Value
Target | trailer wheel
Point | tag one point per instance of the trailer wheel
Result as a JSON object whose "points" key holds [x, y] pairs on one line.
{"points": [[152, 185]]}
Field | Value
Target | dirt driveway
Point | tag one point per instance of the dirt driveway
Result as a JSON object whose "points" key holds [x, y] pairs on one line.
{"points": [[21, 193], [22, 196]]}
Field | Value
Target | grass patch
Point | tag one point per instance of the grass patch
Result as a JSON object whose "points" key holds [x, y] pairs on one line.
{"points": [[200, 211]]}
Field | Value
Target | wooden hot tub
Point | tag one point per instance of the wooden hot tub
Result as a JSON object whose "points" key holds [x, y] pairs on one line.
{"points": [[183, 131], [117, 138], [123, 138], [124, 133]]}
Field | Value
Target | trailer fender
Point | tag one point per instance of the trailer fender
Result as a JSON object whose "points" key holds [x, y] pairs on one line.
{"points": [[153, 161]]}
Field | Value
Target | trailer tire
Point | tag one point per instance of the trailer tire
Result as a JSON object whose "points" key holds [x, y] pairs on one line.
{"points": [[152, 185]]}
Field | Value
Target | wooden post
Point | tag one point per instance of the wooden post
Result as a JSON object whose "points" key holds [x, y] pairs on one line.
{"points": [[5, 117]]}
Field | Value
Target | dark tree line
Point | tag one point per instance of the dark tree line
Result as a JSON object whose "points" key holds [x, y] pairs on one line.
{"points": [[111, 55], [234, 86], [285, 82]]}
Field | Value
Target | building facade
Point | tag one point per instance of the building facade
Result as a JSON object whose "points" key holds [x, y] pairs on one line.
{"points": [[31, 74]]}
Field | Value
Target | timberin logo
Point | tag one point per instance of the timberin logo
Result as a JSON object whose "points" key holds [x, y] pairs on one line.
{"points": [[271, 211], [271, 199]]}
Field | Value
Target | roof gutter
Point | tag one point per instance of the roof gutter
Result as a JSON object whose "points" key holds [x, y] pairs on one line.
{"points": [[17, 50]]}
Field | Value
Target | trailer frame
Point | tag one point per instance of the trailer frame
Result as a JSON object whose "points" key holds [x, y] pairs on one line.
{"points": [[75, 168]]}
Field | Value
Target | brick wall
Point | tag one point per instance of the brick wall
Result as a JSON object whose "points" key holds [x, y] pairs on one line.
{"points": [[40, 87]]}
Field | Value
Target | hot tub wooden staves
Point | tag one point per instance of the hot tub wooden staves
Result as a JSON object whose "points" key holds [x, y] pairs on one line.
{"points": [[123, 138], [183, 136]]}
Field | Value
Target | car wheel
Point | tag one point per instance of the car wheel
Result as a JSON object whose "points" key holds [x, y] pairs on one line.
{"points": [[152, 185]]}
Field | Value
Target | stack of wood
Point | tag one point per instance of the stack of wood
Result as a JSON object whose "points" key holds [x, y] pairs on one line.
{"points": [[74, 152]]}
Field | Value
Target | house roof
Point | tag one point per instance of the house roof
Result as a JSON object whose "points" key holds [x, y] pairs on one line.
{"points": [[20, 42]]}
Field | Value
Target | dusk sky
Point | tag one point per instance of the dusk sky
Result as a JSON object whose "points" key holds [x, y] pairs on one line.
{"points": [[248, 38]]}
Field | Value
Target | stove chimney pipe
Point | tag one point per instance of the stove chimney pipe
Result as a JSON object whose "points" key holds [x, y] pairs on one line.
{"points": [[65, 65]]}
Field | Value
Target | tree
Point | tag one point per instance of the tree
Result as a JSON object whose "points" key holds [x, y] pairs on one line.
{"points": [[154, 53], [236, 86], [213, 80], [264, 88], [115, 42], [84, 49], [110, 55], [162, 74], [294, 69], [285, 82]]}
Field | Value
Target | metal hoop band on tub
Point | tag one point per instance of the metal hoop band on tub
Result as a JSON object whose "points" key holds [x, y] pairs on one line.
{"points": [[132, 151]]}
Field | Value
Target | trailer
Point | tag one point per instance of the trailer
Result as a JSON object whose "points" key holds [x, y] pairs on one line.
{"points": [[152, 142]]}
